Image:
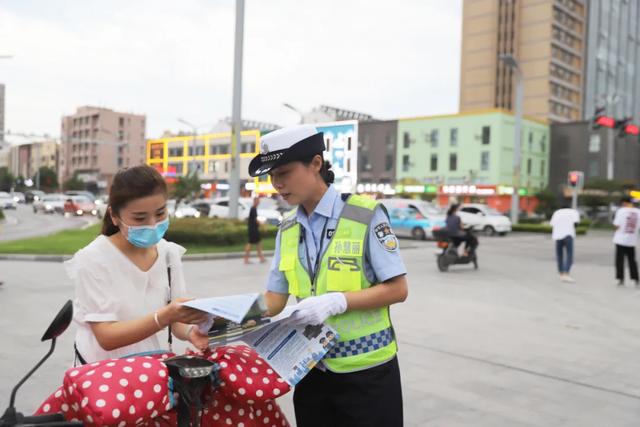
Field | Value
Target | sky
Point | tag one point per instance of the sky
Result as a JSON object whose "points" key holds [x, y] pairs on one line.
{"points": [[174, 59]]}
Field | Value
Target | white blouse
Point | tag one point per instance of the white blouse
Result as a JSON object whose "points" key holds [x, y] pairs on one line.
{"points": [[110, 287]]}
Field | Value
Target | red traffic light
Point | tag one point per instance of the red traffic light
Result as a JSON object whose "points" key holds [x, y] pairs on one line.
{"points": [[574, 178], [632, 129], [605, 121]]}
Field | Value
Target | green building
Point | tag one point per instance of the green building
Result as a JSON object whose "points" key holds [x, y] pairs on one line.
{"points": [[471, 148]]}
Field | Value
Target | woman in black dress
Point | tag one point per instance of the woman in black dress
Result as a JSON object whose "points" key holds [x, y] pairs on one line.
{"points": [[254, 233]]}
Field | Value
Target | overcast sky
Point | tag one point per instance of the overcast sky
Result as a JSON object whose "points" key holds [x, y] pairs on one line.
{"points": [[170, 59]]}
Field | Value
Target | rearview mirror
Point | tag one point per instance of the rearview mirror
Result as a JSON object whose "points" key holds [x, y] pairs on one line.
{"points": [[60, 323]]}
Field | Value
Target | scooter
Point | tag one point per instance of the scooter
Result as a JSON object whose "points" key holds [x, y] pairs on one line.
{"points": [[11, 416], [190, 375], [449, 254]]}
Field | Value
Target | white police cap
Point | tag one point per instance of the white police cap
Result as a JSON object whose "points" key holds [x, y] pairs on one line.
{"points": [[286, 145]]}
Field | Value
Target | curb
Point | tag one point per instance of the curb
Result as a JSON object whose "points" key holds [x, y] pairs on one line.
{"points": [[195, 257]]}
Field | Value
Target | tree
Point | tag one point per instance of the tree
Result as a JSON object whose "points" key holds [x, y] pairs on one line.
{"points": [[73, 184], [7, 180], [186, 187], [48, 179], [547, 203]]}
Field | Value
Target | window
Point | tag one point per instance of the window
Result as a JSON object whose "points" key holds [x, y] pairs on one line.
{"points": [[543, 143], [405, 163], [390, 143], [349, 143], [433, 138], [176, 166], [223, 203], [121, 121], [217, 149], [486, 135], [542, 168], [406, 141], [529, 162], [199, 150], [593, 168], [484, 161], [453, 162], [388, 162], [434, 163], [530, 142], [176, 152], [327, 143], [248, 147], [453, 134]]}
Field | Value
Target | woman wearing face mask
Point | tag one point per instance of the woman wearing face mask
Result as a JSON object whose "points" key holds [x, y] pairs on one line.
{"points": [[129, 283]]}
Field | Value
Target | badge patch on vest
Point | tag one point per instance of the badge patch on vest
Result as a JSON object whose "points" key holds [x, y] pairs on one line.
{"points": [[385, 236], [330, 233]]}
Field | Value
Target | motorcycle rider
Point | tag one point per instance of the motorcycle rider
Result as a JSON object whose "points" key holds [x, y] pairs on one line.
{"points": [[458, 233]]}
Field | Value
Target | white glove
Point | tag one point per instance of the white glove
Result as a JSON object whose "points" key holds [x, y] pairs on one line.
{"points": [[315, 310], [206, 325]]}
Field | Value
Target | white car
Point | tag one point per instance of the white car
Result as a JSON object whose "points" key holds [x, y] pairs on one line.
{"points": [[7, 201], [185, 211], [18, 197], [483, 218], [267, 209], [50, 203]]}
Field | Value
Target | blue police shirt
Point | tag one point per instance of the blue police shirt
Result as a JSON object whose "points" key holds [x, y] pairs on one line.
{"points": [[382, 256]]}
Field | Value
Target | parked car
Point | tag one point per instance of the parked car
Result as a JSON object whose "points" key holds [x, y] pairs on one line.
{"points": [[88, 194], [33, 195], [6, 201], [483, 218], [186, 211], [50, 203], [408, 222], [18, 197], [267, 210], [79, 205]]}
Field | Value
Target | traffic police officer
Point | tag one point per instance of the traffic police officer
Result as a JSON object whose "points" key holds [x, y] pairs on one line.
{"points": [[336, 253]]}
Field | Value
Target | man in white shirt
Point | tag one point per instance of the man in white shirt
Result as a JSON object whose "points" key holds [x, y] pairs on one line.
{"points": [[627, 223], [563, 223]]}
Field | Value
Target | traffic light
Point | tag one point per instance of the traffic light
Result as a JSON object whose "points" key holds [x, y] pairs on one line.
{"points": [[575, 179], [625, 127], [600, 120]]}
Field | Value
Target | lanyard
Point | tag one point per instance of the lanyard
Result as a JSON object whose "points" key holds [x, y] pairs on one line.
{"points": [[312, 272]]}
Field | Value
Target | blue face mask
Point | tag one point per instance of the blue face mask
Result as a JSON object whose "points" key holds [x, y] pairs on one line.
{"points": [[145, 236]]}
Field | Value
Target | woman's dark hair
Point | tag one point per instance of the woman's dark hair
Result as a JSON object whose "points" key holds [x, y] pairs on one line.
{"points": [[131, 184], [325, 171], [452, 209]]}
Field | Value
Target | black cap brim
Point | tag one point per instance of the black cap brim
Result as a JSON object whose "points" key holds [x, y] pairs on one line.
{"points": [[262, 164]]}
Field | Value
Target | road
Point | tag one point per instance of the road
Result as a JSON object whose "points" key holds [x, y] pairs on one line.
{"points": [[23, 223], [507, 345]]}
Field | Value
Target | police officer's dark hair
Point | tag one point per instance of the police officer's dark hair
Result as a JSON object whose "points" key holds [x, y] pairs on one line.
{"points": [[452, 209], [626, 199], [325, 171], [130, 184]]}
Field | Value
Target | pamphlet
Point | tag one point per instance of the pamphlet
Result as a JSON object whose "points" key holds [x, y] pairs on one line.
{"points": [[290, 348]]}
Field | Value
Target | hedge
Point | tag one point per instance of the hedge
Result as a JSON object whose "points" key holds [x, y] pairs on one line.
{"points": [[542, 228], [212, 231]]}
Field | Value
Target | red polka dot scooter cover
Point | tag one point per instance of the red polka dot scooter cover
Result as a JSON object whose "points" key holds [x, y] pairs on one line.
{"points": [[136, 391]]}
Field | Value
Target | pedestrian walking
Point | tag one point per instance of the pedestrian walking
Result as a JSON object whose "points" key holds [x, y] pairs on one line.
{"points": [[254, 233], [563, 223], [627, 224]]}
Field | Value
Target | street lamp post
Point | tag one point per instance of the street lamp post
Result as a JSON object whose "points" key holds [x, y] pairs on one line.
{"points": [[295, 110], [234, 178], [511, 62]]}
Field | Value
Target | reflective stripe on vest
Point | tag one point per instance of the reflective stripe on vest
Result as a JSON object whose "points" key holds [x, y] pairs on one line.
{"points": [[365, 336]]}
